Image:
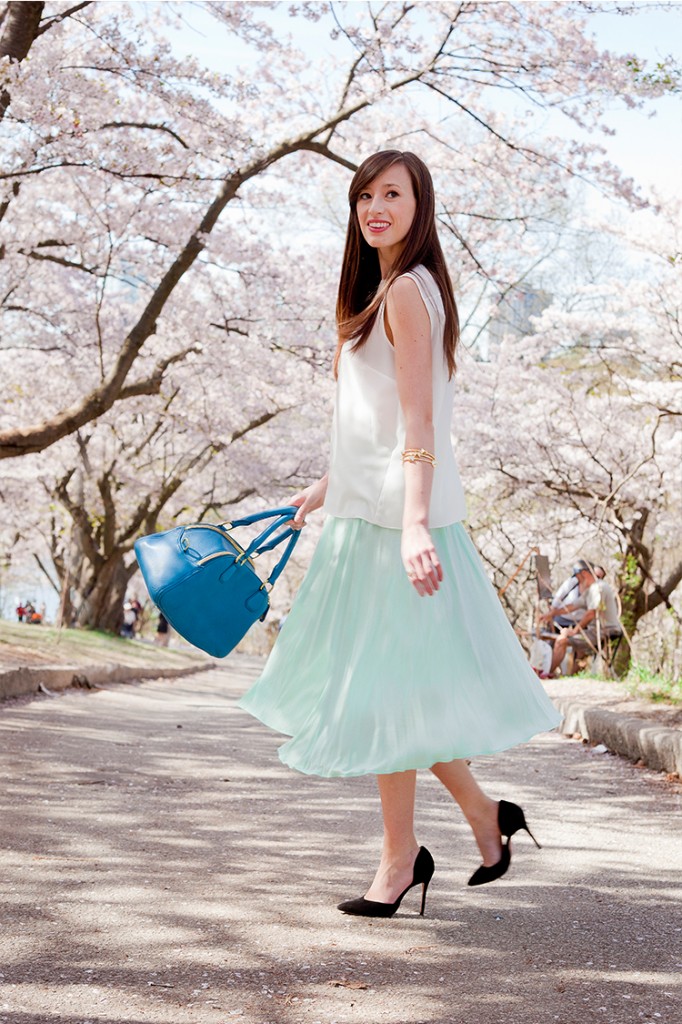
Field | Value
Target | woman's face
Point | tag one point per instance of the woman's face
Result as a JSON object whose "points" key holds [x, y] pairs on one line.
{"points": [[385, 211]]}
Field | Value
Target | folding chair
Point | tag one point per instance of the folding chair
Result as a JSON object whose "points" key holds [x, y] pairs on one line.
{"points": [[606, 645]]}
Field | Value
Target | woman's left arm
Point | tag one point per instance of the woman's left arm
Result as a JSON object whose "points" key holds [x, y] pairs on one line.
{"points": [[410, 329]]}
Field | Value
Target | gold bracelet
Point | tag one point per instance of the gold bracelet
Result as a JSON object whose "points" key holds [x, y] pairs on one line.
{"points": [[418, 455]]}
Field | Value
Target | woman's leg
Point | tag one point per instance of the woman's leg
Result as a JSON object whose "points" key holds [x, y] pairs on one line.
{"points": [[400, 847], [479, 810]]}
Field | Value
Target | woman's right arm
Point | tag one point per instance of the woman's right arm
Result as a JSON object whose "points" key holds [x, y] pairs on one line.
{"points": [[309, 500]]}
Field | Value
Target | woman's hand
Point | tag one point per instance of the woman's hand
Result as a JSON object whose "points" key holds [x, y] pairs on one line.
{"points": [[308, 500], [420, 559]]}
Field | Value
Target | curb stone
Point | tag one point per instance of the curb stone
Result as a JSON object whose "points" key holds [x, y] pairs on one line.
{"points": [[18, 682], [639, 739]]}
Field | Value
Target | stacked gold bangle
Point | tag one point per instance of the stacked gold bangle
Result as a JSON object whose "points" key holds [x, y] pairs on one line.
{"points": [[418, 455]]}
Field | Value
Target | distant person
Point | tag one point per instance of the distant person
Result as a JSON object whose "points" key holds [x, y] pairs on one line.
{"points": [[129, 619], [132, 618], [30, 614], [568, 602], [162, 631], [21, 611], [601, 603]]}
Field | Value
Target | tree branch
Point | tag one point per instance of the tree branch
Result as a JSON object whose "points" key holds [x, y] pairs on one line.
{"points": [[55, 586], [152, 385], [661, 593], [259, 421], [5, 206], [60, 17], [71, 264], [80, 518], [108, 538], [323, 149], [145, 125]]}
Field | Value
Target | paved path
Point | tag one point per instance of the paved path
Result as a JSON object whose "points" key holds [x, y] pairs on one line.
{"points": [[158, 864]]}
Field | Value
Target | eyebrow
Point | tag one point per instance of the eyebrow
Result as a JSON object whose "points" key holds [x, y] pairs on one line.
{"points": [[390, 184]]}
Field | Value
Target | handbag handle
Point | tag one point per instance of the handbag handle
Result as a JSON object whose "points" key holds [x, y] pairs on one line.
{"points": [[261, 543], [258, 544], [286, 554], [284, 535], [256, 517]]}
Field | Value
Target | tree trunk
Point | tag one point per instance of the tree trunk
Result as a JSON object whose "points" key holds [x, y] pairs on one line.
{"points": [[65, 611], [640, 592], [92, 595], [21, 23], [21, 28], [630, 590], [101, 604]]}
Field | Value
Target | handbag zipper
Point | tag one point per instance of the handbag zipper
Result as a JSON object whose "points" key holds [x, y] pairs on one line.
{"points": [[225, 554], [220, 554]]}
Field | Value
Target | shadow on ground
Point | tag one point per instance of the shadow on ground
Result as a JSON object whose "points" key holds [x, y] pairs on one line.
{"points": [[159, 864]]}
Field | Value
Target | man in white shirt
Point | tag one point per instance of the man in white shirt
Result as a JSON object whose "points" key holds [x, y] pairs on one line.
{"points": [[600, 601], [568, 603]]}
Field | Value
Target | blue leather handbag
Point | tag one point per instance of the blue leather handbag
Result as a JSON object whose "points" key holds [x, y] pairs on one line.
{"points": [[205, 582]]}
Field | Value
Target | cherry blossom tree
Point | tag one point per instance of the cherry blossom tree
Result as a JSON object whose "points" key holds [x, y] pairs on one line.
{"points": [[151, 286], [142, 155], [589, 464], [190, 452]]}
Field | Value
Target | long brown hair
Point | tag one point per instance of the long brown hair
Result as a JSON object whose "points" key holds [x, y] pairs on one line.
{"points": [[361, 289]]}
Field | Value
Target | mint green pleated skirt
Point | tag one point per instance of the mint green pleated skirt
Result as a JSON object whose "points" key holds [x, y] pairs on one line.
{"points": [[368, 677]]}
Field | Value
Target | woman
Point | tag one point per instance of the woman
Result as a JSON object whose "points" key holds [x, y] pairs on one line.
{"points": [[396, 654]]}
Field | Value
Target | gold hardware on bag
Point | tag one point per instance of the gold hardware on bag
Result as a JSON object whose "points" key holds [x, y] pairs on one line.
{"points": [[206, 526], [241, 553], [216, 554]]}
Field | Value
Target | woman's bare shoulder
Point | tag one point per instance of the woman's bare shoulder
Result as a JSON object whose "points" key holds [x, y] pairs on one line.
{"points": [[403, 291], [405, 304]]}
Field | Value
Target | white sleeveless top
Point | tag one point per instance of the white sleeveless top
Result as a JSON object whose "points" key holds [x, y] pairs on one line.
{"points": [[366, 474]]}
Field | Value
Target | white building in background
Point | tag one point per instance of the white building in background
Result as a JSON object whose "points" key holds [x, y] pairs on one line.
{"points": [[514, 311]]}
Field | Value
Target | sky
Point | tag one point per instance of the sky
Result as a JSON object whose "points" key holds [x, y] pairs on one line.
{"points": [[648, 143]]}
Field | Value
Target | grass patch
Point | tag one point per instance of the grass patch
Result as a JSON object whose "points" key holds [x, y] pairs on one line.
{"points": [[642, 683], [647, 685], [36, 644]]}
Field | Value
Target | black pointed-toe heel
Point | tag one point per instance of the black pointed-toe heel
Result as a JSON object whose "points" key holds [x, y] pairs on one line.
{"points": [[510, 819], [422, 874]]}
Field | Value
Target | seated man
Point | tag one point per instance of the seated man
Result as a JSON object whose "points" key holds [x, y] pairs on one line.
{"points": [[568, 603], [600, 600]]}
